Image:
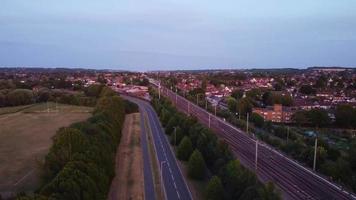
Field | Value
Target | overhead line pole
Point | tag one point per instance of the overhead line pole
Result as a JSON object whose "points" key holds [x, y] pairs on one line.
{"points": [[256, 156], [159, 90], [247, 124], [315, 151]]}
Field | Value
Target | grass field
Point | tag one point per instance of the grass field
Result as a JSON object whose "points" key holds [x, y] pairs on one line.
{"points": [[25, 137]]}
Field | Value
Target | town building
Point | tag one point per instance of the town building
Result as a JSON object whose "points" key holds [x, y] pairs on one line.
{"points": [[277, 113]]}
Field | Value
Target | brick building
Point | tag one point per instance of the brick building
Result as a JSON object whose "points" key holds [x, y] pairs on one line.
{"points": [[277, 113]]}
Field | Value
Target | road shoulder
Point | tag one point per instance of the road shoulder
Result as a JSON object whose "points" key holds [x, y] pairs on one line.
{"points": [[127, 183]]}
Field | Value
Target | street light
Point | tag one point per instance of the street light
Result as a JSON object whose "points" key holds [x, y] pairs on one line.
{"points": [[247, 123], [198, 98], [287, 134], [159, 90], [206, 103], [175, 136]]}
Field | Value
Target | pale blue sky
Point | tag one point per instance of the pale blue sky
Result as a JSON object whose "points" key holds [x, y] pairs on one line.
{"points": [[177, 34]]}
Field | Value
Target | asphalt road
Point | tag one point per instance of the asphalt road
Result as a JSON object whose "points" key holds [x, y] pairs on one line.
{"points": [[175, 187], [295, 180], [147, 170]]}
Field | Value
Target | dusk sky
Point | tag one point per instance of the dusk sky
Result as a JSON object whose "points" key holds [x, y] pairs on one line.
{"points": [[177, 34]]}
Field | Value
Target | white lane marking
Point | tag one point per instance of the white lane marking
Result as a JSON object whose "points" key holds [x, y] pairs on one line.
{"points": [[26, 175], [165, 155]]}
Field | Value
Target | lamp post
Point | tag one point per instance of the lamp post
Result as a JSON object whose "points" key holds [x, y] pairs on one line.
{"points": [[176, 95], [175, 136], [198, 99], [188, 106], [159, 90], [206, 103], [287, 134]]}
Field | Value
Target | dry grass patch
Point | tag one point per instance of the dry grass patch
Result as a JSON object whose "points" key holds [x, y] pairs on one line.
{"points": [[128, 182], [25, 137]]}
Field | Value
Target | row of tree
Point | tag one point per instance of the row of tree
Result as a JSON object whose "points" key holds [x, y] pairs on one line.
{"points": [[87, 97], [209, 158], [80, 163], [345, 117]]}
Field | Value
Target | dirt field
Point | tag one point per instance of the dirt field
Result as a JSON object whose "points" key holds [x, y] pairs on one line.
{"points": [[25, 137], [128, 182]]}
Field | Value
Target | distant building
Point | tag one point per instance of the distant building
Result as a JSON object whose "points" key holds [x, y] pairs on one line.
{"points": [[277, 113]]}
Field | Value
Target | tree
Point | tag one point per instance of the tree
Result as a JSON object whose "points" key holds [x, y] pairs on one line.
{"points": [[236, 179], [66, 143], [2, 100], [185, 149], [250, 193], [214, 189], [43, 95], [352, 154], [244, 106], [257, 119], [300, 117], [345, 116], [270, 98], [232, 104], [321, 82], [318, 117], [101, 79], [254, 94], [307, 89], [237, 94], [20, 97], [196, 166], [93, 90], [106, 91], [267, 98], [268, 192]]}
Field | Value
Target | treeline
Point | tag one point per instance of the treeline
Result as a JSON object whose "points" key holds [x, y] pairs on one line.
{"points": [[345, 117], [209, 158], [87, 97], [80, 163]]}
